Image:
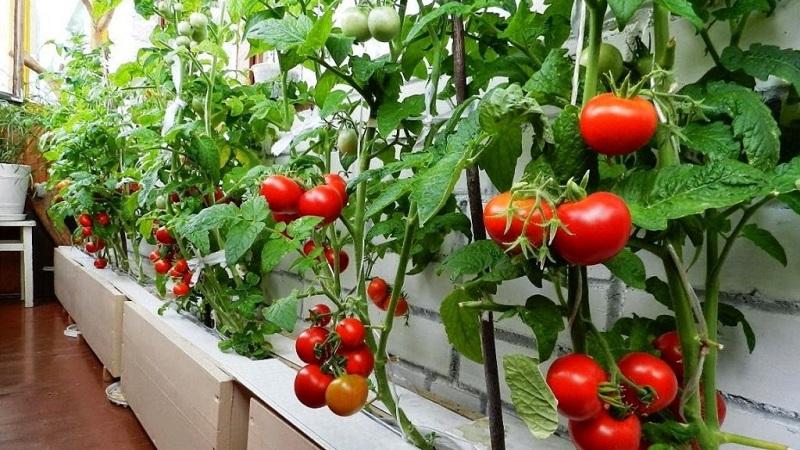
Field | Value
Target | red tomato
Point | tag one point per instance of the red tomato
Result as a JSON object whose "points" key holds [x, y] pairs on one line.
{"points": [[285, 217], [309, 247], [347, 394], [669, 344], [310, 385], [86, 231], [322, 201], [649, 372], [359, 361], [218, 194], [175, 274], [320, 315], [574, 380], [180, 289], [85, 220], [351, 331], [505, 227], [330, 256], [594, 229], [100, 263], [378, 292], [181, 266], [187, 278], [164, 236], [603, 432], [614, 125], [103, 218], [281, 193], [100, 244], [336, 181], [307, 344], [402, 307], [155, 256], [162, 266]]}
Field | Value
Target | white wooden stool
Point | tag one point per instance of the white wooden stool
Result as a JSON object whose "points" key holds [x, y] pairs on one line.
{"points": [[24, 245]]}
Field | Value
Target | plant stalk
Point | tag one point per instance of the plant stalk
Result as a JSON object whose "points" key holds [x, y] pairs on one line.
{"points": [[711, 312], [596, 12]]}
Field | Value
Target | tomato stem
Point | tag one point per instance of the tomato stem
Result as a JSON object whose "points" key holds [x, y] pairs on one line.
{"points": [[596, 13], [577, 329], [730, 438]]}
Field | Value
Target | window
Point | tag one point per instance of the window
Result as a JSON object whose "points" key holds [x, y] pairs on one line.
{"points": [[11, 54]]}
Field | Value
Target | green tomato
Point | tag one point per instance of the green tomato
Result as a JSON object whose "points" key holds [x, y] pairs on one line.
{"points": [[182, 41], [184, 28], [161, 202], [644, 65], [384, 23], [198, 20], [610, 60], [198, 105], [162, 7], [178, 7], [354, 24], [200, 34], [347, 142]]}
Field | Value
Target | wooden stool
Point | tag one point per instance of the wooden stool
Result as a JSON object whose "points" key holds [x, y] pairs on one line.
{"points": [[24, 245]]}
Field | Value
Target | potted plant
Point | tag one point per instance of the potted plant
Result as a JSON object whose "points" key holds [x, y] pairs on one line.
{"points": [[16, 123]]}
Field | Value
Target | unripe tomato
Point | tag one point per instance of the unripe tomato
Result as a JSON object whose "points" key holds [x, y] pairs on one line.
{"points": [[162, 266], [359, 361], [644, 65], [199, 35], [100, 263], [164, 236], [647, 371], [336, 181], [496, 218], [322, 201], [575, 380], [603, 432], [310, 385], [307, 343], [180, 289], [347, 394], [616, 126], [281, 193], [610, 60], [182, 41], [347, 142], [161, 202], [198, 20], [353, 22], [669, 344], [383, 23], [85, 220], [351, 332], [184, 28], [103, 218], [320, 315], [594, 229], [178, 7]]}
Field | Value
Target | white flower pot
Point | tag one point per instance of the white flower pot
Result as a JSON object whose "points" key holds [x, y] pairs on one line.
{"points": [[14, 180]]}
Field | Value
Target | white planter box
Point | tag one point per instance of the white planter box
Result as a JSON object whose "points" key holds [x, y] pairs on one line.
{"points": [[94, 304], [180, 396], [268, 431]]}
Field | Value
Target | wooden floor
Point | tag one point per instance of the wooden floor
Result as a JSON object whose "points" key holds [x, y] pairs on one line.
{"points": [[52, 394]]}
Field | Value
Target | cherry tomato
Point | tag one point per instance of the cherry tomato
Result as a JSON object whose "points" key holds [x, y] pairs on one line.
{"points": [[603, 432], [85, 220], [347, 141], [496, 218], [610, 61], [307, 343], [310, 385], [574, 380], [322, 201], [669, 344], [353, 22], [100, 263], [90, 247], [187, 277], [337, 182], [164, 236], [594, 229], [162, 266], [175, 274], [61, 185], [86, 231], [649, 372], [383, 23], [351, 331], [359, 361], [347, 394], [281, 193], [615, 126], [180, 289], [309, 247], [330, 256], [320, 315], [181, 266], [154, 256], [378, 292], [103, 218], [402, 307], [285, 217]]}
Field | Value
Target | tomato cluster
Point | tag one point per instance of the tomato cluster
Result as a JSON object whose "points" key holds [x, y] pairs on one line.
{"points": [[288, 200], [94, 244], [592, 230], [380, 293], [338, 363], [166, 260]]}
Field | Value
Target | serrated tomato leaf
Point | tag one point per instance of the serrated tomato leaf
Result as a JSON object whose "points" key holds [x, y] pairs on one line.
{"points": [[533, 400]]}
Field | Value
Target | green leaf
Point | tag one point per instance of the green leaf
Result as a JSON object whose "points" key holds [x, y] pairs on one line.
{"points": [[624, 9], [629, 268], [283, 312], [318, 34], [462, 325], [501, 155], [568, 157], [472, 259], [792, 200], [760, 61], [447, 9], [389, 194], [741, 8], [657, 196], [766, 241], [684, 9], [553, 79], [205, 154], [273, 252], [786, 177], [335, 101], [533, 401], [339, 47], [390, 114], [255, 209], [731, 317], [544, 318], [714, 140], [659, 290], [240, 238], [303, 227], [282, 34]]}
